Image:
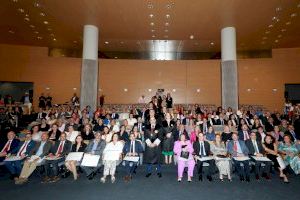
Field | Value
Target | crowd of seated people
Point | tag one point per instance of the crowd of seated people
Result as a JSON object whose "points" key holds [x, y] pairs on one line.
{"points": [[224, 141]]}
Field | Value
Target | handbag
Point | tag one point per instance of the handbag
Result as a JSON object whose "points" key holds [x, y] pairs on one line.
{"points": [[185, 154]]}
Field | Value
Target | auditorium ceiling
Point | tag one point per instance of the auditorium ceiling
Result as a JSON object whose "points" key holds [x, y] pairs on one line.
{"points": [[151, 25]]}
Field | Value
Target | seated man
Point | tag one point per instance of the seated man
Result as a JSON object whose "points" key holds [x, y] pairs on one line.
{"points": [[24, 148], [35, 157], [237, 148], [57, 154], [256, 149], [202, 149], [95, 147], [9, 147], [131, 148]]}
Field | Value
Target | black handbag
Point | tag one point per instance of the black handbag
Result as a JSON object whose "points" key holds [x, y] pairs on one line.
{"points": [[185, 154]]}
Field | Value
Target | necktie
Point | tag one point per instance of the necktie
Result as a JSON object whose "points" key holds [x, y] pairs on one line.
{"points": [[131, 147], [293, 134], [246, 136], [7, 147], [256, 148], [235, 147], [60, 148], [201, 149], [23, 148]]}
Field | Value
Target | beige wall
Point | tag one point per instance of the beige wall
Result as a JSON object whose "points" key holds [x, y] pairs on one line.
{"points": [[61, 75]]}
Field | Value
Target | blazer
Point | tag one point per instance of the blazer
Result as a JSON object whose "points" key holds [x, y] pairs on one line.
{"points": [[81, 148], [13, 146], [243, 146], [137, 147], [241, 135], [66, 149], [291, 135], [115, 117], [29, 147], [251, 148], [100, 147], [196, 147], [46, 148]]}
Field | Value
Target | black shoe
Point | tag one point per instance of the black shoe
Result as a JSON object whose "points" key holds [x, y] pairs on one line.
{"points": [[209, 178], [91, 176], [12, 176], [247, 178], [147, 175], [242, 178], [257, 177], [159, 175], [200, 178]]}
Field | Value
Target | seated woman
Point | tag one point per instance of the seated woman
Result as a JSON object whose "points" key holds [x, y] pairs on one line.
{"points": [[290, 154], [271, 149], [36, 133], [112, 154], [220, 152], [226, 135], [54, 133], [87, 133], [79, 146], [71, 134], [183, 149], [210, 134]]}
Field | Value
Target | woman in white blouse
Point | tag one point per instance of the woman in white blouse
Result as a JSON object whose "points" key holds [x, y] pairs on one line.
{"points": [[36, 133], [111, 156], [71, 134]]}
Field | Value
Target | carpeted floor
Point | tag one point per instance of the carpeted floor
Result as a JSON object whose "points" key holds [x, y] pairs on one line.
{"points": [[165, 188]]}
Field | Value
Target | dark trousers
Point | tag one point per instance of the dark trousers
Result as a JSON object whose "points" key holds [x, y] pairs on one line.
{"points": [[266, 169], [89, 170], [51, 166], [210, 168], [130, 167], [149, 168], [242, 171], [14, 167]]}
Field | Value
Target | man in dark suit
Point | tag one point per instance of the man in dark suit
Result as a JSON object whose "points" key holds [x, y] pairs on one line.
{"points": [[57, 155], [95, 147], [10, 146], [221, 120], [237, 148], [291, 132], [24, 148], [114, 114], [202, 149], [178, 131], [35, 157], [244, 133], [131, 148], [256, 149]]}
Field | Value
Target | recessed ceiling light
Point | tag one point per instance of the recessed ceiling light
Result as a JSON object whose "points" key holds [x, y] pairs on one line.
{"points": [[288, 23], [150, 6], [37, 4], [106, 42], [279, 36], [31, 26], [276, 41], [42, 14], [274, 89], [52, 34], [11, 32], [198, 90], [39, 37], [263, 42], [36, 32], [116, 57], [49, 29], [248, 90], [278, 9], [166, 36], [125, 89], [26, 19], [21, 10], [294, 15], [26, 15], [46, 22], [153, 36], [166, 30], [191, 37], [168, 6], [212, 43], [167, 24], [149, 90], [15, 1], [54, 39], [270, 26], [264, 38], [283, 30], [168, 16], [298, 5], [267, 32], [174, 90], [152, 30], [75, 42], [151, 15], [152, 24], [121, 42]]}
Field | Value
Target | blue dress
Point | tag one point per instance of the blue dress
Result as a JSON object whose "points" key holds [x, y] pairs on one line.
{"points": [[292, 158]]}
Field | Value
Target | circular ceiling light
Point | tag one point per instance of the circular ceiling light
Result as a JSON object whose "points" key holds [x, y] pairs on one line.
{"points": [[106, 42], [39, 37], [212, 43], [288, 23], [191, 37], [21, 10], [152, 30], [11, 32], [42, 14], [46, 22], [27, 19], [167, 24], [168, 16], [151, 15], [294, 15], [31, 26], [152, 24]]}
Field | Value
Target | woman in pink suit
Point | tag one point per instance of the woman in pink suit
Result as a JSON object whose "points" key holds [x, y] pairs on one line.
{"points": [[183, 149]]}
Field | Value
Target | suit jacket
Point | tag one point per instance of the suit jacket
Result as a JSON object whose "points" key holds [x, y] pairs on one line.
{"points": [[29, 147], [116, 115], [137, 147], [100, 147], [196, 147], [218, 122], [46, 148], [241, 135], [251, 148], [66, 149], [81, 148], [291, 135], [243, 146], [13, 146]]}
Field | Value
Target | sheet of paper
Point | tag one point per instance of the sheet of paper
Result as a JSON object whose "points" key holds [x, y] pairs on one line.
{"points": [[77, 156], [218, 158], [52, 158], [112, 155], [13, 158], [90, 160], [263, 159], [241, 158], [157, 141], [206, 158], [281, 162], [131, 158]]}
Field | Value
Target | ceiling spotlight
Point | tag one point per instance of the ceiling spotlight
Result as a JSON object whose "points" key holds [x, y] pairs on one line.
{"points": [[264, 38], [174, 90], [167, 24], [279, 36], [31, 26], [21, 10], [270, 26], [212, 43], [116, 57], [75, 42], [267, 32], [54, 39], [168, 16], [151, 15], [152, 30], [26, 19], [166, 36], [52, 34], [37, 4], [198, 90], [49, 29], [274, 18], [153, 36], [106, 42], [294, 15], [288, 23], [36, 32], [42, 14], [166, 30], [263, 42], [278, 9], [283, 30], [150, 6], [168, 6], [26, 15], [276, 41], [11, 32], [248, 90], [149, 90], [46, 22], [274, 89], [191, 37], [39, 37], [152, 24], [125, 89], [74, 88]]}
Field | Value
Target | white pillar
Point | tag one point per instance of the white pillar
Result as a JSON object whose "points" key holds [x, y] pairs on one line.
{"points": [[89, 68], [229, 68]]}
